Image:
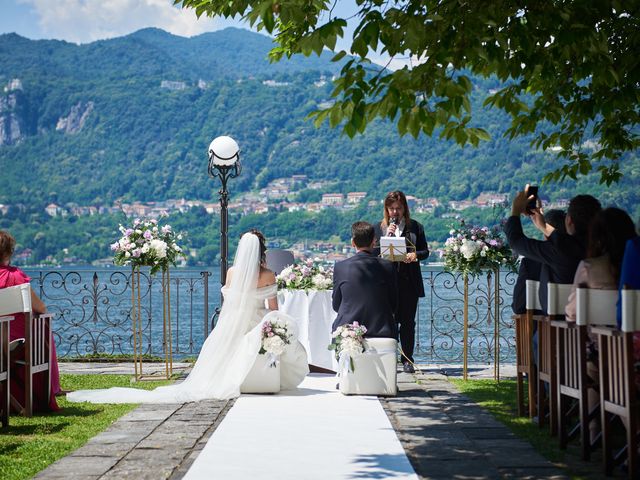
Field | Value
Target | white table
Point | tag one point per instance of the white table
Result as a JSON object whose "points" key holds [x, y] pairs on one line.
{"points": [[314, 315]]}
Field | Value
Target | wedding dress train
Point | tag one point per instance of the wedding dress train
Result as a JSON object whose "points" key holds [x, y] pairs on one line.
{"points": [[231, 349]]}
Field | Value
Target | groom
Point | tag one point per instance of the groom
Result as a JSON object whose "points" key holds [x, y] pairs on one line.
{"points": [[364, 287]]}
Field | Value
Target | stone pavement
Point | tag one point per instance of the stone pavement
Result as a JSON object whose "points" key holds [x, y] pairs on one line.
{"points": [[444, 434]]}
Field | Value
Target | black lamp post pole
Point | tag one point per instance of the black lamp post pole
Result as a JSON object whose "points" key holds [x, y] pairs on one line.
{"points": [[224, 173]]}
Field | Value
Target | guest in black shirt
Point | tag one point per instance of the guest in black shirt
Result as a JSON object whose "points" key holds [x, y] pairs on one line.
{"points": [[560, 255]]}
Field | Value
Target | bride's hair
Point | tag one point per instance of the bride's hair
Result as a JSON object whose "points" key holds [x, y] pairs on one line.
{"points": [[263, 245]]}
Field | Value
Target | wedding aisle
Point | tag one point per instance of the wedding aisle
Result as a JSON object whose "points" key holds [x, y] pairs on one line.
{"points": [[312, 433]]}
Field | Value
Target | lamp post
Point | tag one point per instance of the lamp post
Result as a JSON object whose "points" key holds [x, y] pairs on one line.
{"points": [[224, 163]]}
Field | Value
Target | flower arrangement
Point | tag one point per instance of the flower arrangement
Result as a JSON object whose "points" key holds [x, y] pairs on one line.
{"points": [[307, 275], [146, 244], [275, 337], [348, 341], [472, 249]]}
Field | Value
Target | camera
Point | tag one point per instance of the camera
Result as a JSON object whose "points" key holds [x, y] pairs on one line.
{"points": [[533, 203]]}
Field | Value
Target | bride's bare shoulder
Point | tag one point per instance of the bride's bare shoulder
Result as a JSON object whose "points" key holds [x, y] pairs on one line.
{"points": [[267, 277]]}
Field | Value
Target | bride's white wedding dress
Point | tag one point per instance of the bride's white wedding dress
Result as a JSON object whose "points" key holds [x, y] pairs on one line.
{"points": [[231, 349]]}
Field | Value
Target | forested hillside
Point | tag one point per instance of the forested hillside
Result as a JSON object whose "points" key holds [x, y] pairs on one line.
{"points": [[130, 119]]}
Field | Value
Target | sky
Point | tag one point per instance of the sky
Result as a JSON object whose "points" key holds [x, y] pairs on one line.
{"points": [[84, 21]]}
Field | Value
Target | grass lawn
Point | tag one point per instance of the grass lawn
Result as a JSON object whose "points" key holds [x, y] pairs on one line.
{"points": [[500, 400], [31, 444]]}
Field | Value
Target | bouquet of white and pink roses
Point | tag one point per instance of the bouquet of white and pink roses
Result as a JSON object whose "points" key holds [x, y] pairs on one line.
{"points": [[275, 338], [307, 275], [472, 249], [348, 341], [147, 244]]}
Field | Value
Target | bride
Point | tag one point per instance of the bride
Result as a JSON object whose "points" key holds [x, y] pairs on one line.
{"points": [[231, 349]]}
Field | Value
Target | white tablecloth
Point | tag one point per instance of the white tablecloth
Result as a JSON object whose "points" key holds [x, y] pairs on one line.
{"points": [[314, 315]]}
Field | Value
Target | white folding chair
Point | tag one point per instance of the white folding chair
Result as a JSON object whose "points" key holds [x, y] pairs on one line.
{"points": [[5, 370], [37, 335], [524, 348]]}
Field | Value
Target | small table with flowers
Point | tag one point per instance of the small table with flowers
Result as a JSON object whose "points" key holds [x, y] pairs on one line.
{"points": [[305, 294], [314, 316]]}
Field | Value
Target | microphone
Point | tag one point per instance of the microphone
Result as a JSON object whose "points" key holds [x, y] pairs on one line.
{"points": [[393, 220]]}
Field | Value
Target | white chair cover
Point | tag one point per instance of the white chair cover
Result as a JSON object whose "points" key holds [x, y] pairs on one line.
{"points": [[596, 307], [630, 310], [532, 295], [15, 299], [262, 378], [557, 297], [375, 370]]}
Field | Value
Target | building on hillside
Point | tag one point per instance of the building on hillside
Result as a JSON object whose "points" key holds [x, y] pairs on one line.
{"points": [[460, 205], [54, 210], [356, 197], [4, 209], [490, 199], [169, 85], [332, 199], [314, 207]]}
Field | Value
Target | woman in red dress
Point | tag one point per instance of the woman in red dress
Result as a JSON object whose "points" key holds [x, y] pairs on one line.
{"points": [[9, 277]]}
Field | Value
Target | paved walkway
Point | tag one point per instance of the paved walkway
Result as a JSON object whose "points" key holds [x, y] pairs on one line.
{"points": [[444, 434]]}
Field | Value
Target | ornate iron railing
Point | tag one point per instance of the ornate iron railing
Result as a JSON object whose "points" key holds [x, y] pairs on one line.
{"points": [[93, 313], [93, 310]]}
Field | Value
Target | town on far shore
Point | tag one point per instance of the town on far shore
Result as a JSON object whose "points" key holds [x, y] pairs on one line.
{"points": [[279, 195]]}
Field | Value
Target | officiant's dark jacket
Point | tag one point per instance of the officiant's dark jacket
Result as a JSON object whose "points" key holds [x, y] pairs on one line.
{"points": [[410, 273], [365, 291]]}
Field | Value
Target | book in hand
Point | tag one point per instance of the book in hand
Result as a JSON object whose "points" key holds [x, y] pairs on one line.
{"points": [[393, 248]]}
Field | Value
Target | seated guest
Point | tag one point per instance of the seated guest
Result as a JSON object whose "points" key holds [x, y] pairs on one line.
{"points": [[608, 235], [560, 254], [630, 278], [9, 277], [364, 287], [530, 269]]}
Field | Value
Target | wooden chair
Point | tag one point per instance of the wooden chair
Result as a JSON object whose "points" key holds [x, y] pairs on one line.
{"points": [[593, 307], [618, 395], [38, 339], [525, 364], [5, 370], [557, 298]]}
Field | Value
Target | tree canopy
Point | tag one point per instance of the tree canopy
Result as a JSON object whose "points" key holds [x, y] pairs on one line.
{"points": [[568, 71]]}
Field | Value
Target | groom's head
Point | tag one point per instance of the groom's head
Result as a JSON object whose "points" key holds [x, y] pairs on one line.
{"points": [[362, 235]]}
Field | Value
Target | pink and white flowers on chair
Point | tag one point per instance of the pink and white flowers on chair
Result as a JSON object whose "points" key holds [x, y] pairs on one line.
{"points": [[276, 336], [147, 244], [348, 342]]}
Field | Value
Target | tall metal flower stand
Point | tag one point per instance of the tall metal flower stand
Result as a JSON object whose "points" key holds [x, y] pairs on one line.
{"points": [[136, 320], [496, 322]]}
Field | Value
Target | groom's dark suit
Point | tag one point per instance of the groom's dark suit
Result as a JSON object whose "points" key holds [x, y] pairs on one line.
{"points": [[365, 291]]}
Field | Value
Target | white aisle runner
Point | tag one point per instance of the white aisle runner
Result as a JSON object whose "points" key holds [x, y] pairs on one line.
{"points": [[314, 432]]}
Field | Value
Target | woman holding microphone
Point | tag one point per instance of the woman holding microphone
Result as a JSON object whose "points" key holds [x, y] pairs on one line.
{"points": [[397, 222]]}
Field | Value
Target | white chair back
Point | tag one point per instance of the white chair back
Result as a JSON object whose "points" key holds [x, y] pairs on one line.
{"points": [[532, 301], [630, 310], [596, 307], [278, 260], [15, 299], [557, 297]]}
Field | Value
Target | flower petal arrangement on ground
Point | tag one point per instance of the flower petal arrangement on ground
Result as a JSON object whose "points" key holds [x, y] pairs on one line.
{"points": [[348, 341], [147, 244], [472, 249], [307, 275], [275, 337]]}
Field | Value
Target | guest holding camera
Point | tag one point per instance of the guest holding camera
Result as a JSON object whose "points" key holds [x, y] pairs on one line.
{"points": [[397, 222], [560, 255], [9, 277]]}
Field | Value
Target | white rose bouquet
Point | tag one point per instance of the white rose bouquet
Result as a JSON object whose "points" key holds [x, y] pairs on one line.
{"points": [[275, 337], [347, 342], [307, 275], [147, 244], [472, 249]]}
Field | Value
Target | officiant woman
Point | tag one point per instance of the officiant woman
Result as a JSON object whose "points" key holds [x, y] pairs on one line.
{"points": [[397, 222]]}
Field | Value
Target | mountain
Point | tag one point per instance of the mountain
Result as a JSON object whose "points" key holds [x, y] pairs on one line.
{"points": [[131, 119]]}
